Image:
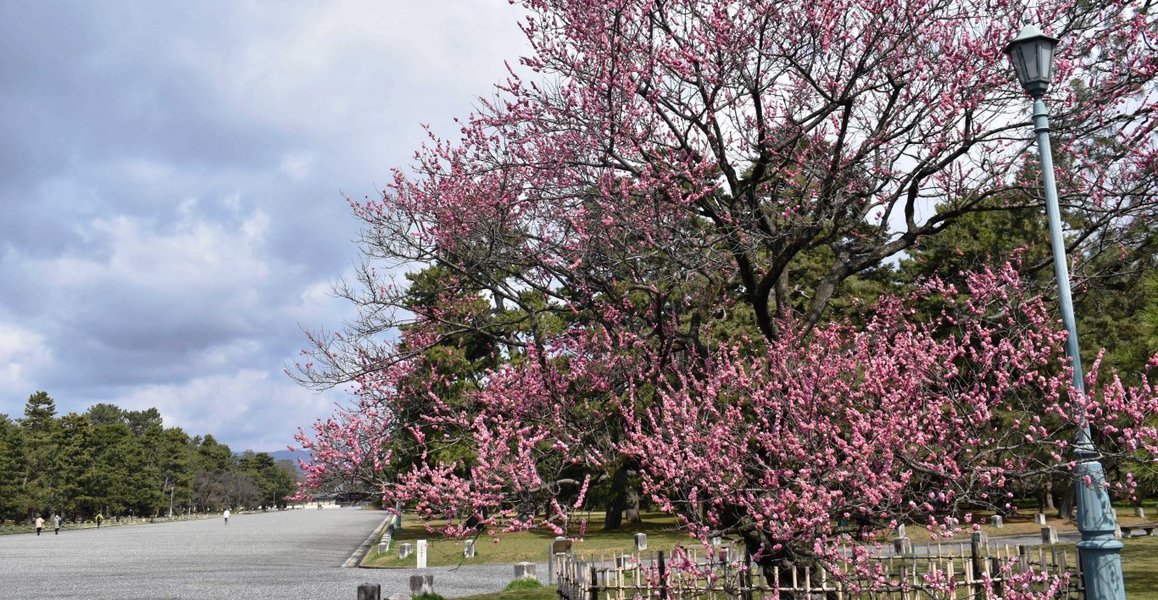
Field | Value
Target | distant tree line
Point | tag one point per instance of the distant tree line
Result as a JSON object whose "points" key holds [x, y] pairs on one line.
{"points": [[118, 462]]}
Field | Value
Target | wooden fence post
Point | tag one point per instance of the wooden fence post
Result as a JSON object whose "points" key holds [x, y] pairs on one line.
{"points": [[593, 585], [976, 542], [746, 578], [662, 577], [995, 565]]}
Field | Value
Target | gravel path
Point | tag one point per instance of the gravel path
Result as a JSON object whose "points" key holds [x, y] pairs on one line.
{"points": [[264, 556]]}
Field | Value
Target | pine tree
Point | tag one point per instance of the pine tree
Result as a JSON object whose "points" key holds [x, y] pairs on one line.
{"points": [[41, 434]]}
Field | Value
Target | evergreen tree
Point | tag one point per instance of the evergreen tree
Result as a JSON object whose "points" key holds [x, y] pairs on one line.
{"points": [[12, 469], [144, 448], [273, 482], [212, 484], [124, 462], [113, 479], [42, 441], [177, 468], [78, 468], [105, 414]]}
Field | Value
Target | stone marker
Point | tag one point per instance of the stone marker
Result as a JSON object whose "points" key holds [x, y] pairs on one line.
{"points": [[525, 570], [369, 591], [468, 549], [624, 561], [716, 540], [561, 545], [903, 545], [422, 583], [421, 554], [1139, 512], [901, 531], [1039, 518], [405, 549], [997, 521], [641, 541], [1049, 535]]}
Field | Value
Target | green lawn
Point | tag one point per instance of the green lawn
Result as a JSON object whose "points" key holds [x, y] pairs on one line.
{"points": [[662, 533], [1140, 567], [543, 593]]}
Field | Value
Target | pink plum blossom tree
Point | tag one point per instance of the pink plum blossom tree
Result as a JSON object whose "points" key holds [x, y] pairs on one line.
{"points": [[620, 234]]}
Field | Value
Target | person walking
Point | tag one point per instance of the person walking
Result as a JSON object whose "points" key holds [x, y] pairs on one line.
{"points": [[56, 524], [39, 524], [99, 518], [226, 513]]}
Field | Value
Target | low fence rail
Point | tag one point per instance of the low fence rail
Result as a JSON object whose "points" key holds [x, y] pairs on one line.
{"points": [[936, 571]]}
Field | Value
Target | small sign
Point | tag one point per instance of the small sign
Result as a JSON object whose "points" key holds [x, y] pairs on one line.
{"points": [[421, 554]]}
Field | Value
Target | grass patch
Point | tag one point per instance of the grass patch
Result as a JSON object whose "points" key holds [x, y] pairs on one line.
{"points": [[520, 585], [1140, 567], [539, 593], [1023, 523]]}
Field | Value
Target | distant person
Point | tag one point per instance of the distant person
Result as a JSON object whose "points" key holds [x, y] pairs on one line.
{"points": [[99, 518], [226, 513], [56, 524], [39, 524]]}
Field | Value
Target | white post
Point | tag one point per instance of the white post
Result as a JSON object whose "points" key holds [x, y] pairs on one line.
{"points": [[421, 554]]}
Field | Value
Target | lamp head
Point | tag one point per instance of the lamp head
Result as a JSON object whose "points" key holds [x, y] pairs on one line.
{"points": [[1031, 53]]}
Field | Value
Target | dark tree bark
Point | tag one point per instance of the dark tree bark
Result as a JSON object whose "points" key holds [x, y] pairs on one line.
{"points": [[1066, 507], [633, 506], [618, 501]]}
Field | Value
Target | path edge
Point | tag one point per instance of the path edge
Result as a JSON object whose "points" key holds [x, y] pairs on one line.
{"points": [[355, 559]]}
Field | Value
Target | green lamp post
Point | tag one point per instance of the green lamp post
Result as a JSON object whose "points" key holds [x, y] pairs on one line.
{"points": [[1031, 53]]}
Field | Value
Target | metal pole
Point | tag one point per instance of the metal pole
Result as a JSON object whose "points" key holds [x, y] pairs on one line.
{"points": [[1100, 550]]}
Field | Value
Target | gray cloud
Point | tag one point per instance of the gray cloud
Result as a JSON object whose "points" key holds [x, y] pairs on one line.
{"points": [[171, 179]]}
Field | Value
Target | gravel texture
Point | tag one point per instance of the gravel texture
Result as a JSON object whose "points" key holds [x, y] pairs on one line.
{"points": [[263, 556]]}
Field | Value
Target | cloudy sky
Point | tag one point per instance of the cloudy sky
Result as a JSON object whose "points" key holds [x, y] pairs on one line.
{"points": [[171, 188]]}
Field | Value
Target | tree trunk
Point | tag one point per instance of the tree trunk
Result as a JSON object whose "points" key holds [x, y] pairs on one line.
{"points": [[633, 506], [618, 500], [1066, 507]]}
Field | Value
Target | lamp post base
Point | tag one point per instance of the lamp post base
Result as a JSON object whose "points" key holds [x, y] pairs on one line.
{"points": [[1100, 551]]}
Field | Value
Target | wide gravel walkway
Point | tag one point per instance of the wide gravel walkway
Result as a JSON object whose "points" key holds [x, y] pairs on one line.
{"points": [[263, 556]]}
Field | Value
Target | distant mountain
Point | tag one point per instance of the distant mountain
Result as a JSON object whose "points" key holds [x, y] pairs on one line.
{"points": [[280, 455]]}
